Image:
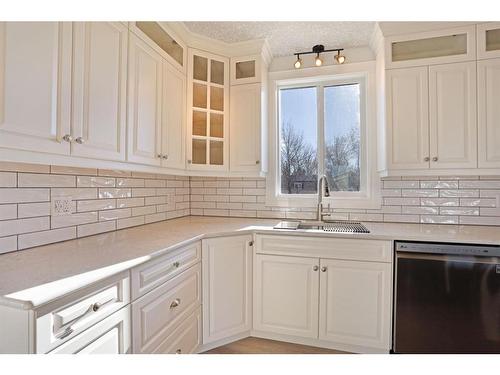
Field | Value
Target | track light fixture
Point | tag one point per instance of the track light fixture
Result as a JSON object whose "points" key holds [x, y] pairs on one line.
{"points": [[318, 49]]}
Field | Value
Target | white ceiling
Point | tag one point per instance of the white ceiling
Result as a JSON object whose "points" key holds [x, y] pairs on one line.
{"points": [[286, 38]]}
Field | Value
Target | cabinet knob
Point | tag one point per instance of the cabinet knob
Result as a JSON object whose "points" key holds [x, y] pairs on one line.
{"points": [[435, 158], [323, 269], [189, 161], [176, 302], [176, 264], [250, 243], [257, 162], [80, 140], [165, 156], [178, 351], [159, 156], [96, 306], [67, 138], [427, 158], [315, 268]]}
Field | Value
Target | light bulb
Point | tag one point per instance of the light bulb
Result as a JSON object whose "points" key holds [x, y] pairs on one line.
{"points": [[340, 58], [318, 61], [298, 63]]}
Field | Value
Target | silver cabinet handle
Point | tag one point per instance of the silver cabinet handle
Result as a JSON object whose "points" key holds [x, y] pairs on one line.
{"points": [[427, 158], [435, 158], [315, 268], [176, 302], [80, 140], [323, 269], [67, 138]]}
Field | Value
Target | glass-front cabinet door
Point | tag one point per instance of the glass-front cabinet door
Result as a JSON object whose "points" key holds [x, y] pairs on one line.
{"points": [[208, 94], [488, 40]]}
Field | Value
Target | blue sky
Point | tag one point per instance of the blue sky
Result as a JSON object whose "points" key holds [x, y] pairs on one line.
{"points": [[298, 106]]}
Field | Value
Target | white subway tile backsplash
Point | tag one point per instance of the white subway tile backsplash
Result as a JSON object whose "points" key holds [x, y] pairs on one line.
{"points": [[480, 184], [95, 228], [129, 202], [57, 169], [147, 210], [8, 211], [478, 202], [73, 219], [452, 202], [459, 193], [45, 180], [439, 184], [480, 220], [129, 222], [436, 219], [8, 179], [95, 204], [459, 211], [46, 237], [8, 244], [155, 217], [119, 213], [130, 182], [75, 193], [91, 181], [400, 184], [426, 193], [115, 193], [33, 209], [18, 226], [420, 210], [13, 195]]}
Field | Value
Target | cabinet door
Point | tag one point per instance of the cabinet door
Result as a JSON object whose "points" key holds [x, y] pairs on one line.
{"points": [[110, 336], [488, 92], [355, 303], [227, 287], [35, 86], [286, 295], [144, 103], [245, 127], [208, 102], [246, 70], [407, 118], [173, 118], [99, 90], [452, 101]]}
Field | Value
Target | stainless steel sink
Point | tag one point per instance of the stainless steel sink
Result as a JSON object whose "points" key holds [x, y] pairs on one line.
{"points": [[338, 226]]}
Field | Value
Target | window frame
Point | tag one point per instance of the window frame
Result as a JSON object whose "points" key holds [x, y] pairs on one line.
{"points": [[359, 73]]}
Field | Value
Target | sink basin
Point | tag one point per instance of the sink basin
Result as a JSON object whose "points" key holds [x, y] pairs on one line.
{"points": [[338, 226]]}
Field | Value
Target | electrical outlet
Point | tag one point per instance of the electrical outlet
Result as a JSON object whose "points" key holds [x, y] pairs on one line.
{"points": [[62, 206]]}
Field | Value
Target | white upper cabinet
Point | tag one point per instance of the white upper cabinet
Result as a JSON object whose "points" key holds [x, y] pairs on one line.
{"points": [[245, 127], [407, 118], [173, 135], [355, 303], [144, 103], [35, 86], [163, 40], [99, 90], [452, 112], [488, 40], [208, 111], [246, 70], [433, 47], [227, 287], [286, 295], [488, 94]]}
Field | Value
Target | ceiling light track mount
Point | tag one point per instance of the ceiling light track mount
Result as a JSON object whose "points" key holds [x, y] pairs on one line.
{"points": [[318, 49]]}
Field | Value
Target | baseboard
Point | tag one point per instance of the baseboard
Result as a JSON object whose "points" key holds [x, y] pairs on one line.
{"points": [[319, 343]]}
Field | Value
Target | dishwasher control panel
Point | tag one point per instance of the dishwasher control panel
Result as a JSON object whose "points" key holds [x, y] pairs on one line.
{"points": [[446, 248]]}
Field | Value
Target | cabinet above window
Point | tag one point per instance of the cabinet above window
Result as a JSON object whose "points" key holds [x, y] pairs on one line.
{"points": [[488, 40], [428, 48], [163, 40]]}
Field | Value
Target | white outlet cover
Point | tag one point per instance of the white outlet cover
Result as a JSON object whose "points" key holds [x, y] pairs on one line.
{"points": [[62, 206]]}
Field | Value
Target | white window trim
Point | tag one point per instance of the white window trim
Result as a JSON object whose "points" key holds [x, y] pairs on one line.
{"points": [[337, 74]]}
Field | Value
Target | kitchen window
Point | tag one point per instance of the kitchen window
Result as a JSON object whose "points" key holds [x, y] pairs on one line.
{"points": [[324, 125]]}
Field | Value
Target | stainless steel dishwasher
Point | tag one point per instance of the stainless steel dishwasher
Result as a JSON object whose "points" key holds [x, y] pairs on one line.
{"points": [[447, 298]]}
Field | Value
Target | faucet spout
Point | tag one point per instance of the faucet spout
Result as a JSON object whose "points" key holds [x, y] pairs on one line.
{"points": [[323, 191]]}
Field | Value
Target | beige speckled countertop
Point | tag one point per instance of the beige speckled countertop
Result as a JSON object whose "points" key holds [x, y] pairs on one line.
{"points": [[30, 278]]}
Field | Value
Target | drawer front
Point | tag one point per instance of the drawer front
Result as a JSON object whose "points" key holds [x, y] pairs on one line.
{"points": [[334, 248], [110, 336], [72, 315], [158, 313], [150, 275], [186, 339]]}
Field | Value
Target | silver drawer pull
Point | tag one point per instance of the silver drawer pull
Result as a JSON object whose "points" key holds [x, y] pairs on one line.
{"points": [[176, 302], [69, 329]]}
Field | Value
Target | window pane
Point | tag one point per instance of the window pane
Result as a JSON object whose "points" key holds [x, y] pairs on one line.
{"points": [[342, 137], [199, 151], [298, 143], [200, 68], [217, 72]]}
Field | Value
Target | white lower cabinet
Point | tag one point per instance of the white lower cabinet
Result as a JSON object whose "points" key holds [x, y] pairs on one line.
{"points": [[339, 297], [158, 314], [110, 336], [227, 287], [286, 295], [354, 302]]}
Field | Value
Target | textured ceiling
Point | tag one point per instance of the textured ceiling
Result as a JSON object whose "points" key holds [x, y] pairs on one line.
{"points": [[285, 38]]}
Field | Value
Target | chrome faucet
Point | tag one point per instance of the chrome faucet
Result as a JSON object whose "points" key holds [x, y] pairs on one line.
{"points": [[323, 191]]}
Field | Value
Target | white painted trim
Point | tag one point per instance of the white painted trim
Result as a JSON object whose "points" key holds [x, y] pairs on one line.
{"points": [[361, 72]]}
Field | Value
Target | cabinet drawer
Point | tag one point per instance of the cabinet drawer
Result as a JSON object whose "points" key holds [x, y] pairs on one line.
{"points": [[64, 319], [156, 314], [334, 248], [110, 336], [186, 338], [152, 274]]}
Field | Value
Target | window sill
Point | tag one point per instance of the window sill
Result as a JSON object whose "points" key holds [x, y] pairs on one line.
{"points": [[358, 202]]}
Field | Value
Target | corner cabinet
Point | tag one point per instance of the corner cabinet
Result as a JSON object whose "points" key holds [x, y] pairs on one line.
{"points": [[227, 288], [208, 111], [35, 86]]}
